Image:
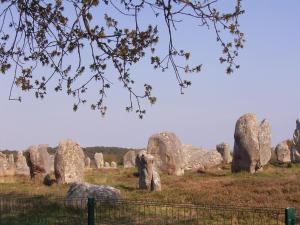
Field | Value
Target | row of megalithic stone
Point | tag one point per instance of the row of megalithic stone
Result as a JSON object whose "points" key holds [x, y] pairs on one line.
{"points": [[68, 163], [164, 153], [252, 150]]}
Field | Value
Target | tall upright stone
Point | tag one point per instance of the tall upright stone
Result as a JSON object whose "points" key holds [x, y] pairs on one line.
{"points": [[252, 146], [21, 165], [224, 150], [99, 160], [129, 159], [39, 162], [167, 151], [295, 153], [11, 160], [3, 164], [149, 178], [69, 162], [264, 140]]}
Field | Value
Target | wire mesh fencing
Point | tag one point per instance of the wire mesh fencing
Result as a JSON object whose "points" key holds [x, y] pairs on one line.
{"points": [[83, 211], [157, 213], [42, 211]]}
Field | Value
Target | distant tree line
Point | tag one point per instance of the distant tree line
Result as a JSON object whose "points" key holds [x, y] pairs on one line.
{"points": [[109, 153]]}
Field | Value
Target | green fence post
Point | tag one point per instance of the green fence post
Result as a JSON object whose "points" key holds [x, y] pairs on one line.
{"points": [[290, 216], [91, 211]]}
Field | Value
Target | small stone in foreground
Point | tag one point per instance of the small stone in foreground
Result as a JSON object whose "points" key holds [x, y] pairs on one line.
{"points": [[79, 192]]}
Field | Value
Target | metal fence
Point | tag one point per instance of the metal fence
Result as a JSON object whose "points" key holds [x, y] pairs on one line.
{"points": [[59, 211], [42, 211]]}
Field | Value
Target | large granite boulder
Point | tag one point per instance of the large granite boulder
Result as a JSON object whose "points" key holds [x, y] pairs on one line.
{"points": [[252, 146], [69, 162], [39, 161], [224, 150], [99, 160], [149, 178], [79, 192], [283, 151], [200, 158], [129, 159], [21, 165], [167, 151]]}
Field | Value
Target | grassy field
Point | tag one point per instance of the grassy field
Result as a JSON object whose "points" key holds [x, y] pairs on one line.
{"points": [[274, 187]]}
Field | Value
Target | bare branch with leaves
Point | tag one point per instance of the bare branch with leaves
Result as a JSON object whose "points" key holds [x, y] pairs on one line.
{"points": [[40, 33]]}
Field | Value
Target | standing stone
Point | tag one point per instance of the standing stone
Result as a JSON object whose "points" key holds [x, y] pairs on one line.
{"points": [[264, 139], [167, 151], [283, 151], [149, 178], [113, 165], [296, 143], [87, 162], [39, 162], [129, 159], [69, 162], [252, 146], [224, 150], [3, 164], [21, 165], [11, 160], [106, 165], [99, 160]]}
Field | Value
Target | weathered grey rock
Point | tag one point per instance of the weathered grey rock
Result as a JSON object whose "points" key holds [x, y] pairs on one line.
{"points": [[283, 151], [113, 165], [252, 146], [129, 159], [167, 151], [87, 162], [21, 165], [200, 158], [40, 162], [69, 162], [224, 150], [149, 178], [3, 164], [106, 165], [192, 156], [79, 192], [99, 160]]}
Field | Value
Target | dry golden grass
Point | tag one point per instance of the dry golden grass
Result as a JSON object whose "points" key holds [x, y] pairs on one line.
{"points": [[274, 187]]}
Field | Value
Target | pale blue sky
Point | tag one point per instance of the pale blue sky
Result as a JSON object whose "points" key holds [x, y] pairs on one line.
{"points": [[267, 84]]}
